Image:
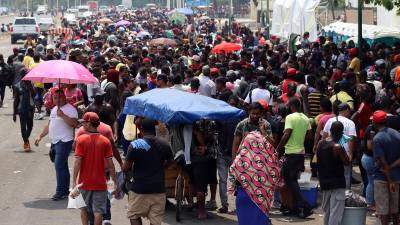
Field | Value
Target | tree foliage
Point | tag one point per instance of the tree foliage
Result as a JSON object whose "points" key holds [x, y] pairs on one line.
{"points": [[388, 4]]}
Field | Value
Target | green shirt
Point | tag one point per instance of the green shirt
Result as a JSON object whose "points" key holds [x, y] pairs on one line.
{"points": [[299, 124]]}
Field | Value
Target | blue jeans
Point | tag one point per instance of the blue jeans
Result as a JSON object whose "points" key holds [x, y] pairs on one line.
{"points": [[62, 150], [368, 164]]}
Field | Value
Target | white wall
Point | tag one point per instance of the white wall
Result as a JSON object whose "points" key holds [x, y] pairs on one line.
{"points": [[387, 18]]}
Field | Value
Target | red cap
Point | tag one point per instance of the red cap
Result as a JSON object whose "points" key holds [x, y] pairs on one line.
{"points": [[353, 51], [214, 70], [396, 58], [90, 117], [379, 116], [218, 37], [264, 104], [146, 60], [291, 72]]}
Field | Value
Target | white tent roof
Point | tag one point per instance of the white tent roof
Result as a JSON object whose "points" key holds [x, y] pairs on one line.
{"points": [[368, 31]]}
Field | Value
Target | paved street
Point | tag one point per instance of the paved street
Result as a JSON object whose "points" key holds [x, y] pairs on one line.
{"points": [[28, 181]]}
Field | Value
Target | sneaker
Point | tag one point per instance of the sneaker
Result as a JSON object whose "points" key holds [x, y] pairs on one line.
{"points": [[58, 197], [212, 205], [106, 222], [41, 115], [223, 209], [304, 213], [36, 116]]}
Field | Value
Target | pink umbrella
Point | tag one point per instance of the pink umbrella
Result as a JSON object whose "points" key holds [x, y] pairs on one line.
{"points": [[122, 23], [61, 72]]}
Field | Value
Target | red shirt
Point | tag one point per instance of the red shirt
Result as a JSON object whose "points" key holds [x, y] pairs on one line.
{"points": [[93, 148], [365, 112], [285, 85]]}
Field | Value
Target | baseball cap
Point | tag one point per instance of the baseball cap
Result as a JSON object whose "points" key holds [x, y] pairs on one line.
{"points": [[91, 117], [396, 58], [343, 107], [379, 116], [162, 77], [146, 60], [196, 58], [291, 72]]}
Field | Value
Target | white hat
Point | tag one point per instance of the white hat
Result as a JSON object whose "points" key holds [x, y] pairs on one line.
{"points": [[300, 53], [48, 47]]}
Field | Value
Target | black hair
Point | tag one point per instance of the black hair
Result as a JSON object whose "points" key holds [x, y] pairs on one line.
{"points": [[262, 81], [148, 126], [295, 103], [326, 104], [177, 79], [255, 106], [336, 130], [220, 80]]}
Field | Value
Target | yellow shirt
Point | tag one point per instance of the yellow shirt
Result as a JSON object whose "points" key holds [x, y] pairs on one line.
{"points": [[355, 65], [35, 84], [27, 61], [343, 97]]}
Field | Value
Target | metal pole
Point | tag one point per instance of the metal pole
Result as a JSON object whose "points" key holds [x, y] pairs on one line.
{"points": [[262, 13], [267, 19], [360, 7], [27, 6]]}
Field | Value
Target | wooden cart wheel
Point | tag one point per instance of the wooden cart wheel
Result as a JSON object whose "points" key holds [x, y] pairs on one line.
{"points": [[179, 197]]}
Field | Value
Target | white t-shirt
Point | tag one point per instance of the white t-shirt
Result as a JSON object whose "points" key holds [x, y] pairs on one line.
{"points": [[258, 94], [349, 129], [58, 129], [207, 86]]}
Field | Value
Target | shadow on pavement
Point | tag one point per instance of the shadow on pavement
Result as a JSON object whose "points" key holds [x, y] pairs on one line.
{"points": [[191, 218], [46, 203]]}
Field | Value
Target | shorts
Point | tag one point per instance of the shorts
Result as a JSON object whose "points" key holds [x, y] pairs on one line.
{"points": [[386, 202], [151, 206], [96, 200], [292, 167]]}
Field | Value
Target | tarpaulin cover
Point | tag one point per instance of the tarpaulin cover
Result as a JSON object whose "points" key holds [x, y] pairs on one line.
{"points": [[172, 106], [294, 16]]}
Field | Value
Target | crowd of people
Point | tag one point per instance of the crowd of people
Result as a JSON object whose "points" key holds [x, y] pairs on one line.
{"points": [[332, 103]]}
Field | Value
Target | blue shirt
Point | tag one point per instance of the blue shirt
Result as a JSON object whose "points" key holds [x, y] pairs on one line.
{"points": [[386, 144]]}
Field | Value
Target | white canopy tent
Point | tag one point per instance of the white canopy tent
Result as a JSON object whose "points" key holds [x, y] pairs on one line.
{"points": [[294, 16], [368, 31]]}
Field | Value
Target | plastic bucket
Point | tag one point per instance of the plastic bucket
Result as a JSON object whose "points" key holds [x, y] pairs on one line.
{"points": [[310, 193], [354, 216]]}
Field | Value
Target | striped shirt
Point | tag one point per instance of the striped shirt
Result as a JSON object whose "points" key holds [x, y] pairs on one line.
{"points": [[314, 101]]}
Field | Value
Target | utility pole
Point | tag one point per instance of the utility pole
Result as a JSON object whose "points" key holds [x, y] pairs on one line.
{"points": [[360, 8], [267, 19]]}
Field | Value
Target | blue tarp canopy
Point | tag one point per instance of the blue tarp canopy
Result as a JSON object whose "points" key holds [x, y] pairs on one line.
{"points": [[172, 106], [184, 11]]}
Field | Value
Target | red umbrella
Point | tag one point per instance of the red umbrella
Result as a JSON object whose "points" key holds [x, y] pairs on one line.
{"points": [[226, 47]]}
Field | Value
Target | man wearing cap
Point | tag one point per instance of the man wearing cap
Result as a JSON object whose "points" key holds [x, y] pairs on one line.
{"points": [[386, 151], [291, 72], [195, 66], [63, 120], [354, 63], [207, 86], [343, 113], [162, 81], [93, 154]]}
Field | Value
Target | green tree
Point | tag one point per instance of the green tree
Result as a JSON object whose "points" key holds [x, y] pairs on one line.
{"points": [[388, 4]]}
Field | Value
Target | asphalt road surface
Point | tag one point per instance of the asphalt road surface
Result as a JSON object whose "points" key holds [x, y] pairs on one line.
{"points": [[27, 181]]}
